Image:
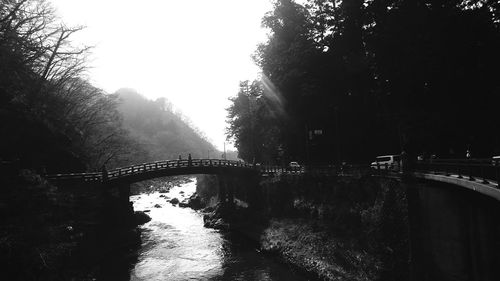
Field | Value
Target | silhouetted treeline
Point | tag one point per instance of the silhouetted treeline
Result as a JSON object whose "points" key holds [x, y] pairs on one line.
{"points": [[348, 80], [54, 120], [51, 116]]}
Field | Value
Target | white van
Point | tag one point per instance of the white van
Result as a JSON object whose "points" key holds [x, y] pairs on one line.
{"points": [[495, 160], [391, 162]]}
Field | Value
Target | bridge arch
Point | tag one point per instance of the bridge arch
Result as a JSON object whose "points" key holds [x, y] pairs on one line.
{"points": [[145, 171]]}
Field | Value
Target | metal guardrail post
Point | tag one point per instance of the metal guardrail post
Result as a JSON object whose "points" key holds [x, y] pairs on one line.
{"points": [[446, 171], [458, 172], [497, 174], [482, 175], [470, 172]]}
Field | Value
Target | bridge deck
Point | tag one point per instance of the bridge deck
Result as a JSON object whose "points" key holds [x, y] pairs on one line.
{"points": [[173, 165]]}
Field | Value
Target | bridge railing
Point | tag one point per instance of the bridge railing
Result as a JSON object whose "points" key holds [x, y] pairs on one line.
{"points": [[86, 177], [386, 168], [149, 167], [482, 170]]}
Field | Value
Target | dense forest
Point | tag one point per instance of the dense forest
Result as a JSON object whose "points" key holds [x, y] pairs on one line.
{"points": [[349, 80], [54, 120]]}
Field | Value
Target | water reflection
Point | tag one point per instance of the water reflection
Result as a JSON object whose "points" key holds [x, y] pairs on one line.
{"points": [[176, 246]]}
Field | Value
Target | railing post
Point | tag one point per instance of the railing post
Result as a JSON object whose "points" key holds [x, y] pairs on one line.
{"points": [[156, 165], [446, 171], [470, 172], [482, 175], [496, 173]]}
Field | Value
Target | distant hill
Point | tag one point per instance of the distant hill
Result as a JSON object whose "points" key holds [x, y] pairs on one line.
{"points": [[161, 133]]}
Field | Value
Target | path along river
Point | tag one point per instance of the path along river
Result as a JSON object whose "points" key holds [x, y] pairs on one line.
{"points": [[176, 246]]}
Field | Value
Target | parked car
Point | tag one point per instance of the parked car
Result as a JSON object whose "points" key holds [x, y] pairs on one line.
{"points": [[391, 162], [294, 166], [495, 160]]}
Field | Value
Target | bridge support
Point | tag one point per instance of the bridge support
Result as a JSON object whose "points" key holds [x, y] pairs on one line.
{"points": [[119, 210], [226, 190], [453, 233]]}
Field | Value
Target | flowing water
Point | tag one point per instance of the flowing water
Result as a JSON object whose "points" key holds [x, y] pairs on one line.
{"points": [[176, 246]]}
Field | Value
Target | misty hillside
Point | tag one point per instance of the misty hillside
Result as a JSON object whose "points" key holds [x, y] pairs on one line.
{"points": [[160, 132]]}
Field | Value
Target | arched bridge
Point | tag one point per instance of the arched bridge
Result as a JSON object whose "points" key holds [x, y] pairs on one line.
{"points": [[164, 168]]}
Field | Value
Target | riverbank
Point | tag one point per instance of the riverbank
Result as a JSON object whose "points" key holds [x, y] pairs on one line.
{"points": [[350, 229], [37, 234], [313, 248], [55, 233]]}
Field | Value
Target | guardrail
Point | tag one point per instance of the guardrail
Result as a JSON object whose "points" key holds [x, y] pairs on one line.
{"points": [[482, 170]]}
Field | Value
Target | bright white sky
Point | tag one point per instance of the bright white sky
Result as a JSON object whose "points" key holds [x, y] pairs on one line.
{"points": [[193, 52]]}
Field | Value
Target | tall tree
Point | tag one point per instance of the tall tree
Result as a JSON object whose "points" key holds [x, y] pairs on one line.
{"points": [[253, 124]]}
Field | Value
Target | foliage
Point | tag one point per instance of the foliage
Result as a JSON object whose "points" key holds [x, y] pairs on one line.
{"points": [[253, 123], [364, 78], [48, 108], [161, 132]]}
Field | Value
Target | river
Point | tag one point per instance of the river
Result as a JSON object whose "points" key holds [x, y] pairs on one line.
{"points": [[176, 246]]}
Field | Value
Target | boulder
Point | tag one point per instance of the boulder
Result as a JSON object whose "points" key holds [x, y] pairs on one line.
{"points": [[141, 217], [157, 206], [209, 209], [195, 203], [174, 201], [218, 224]]}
